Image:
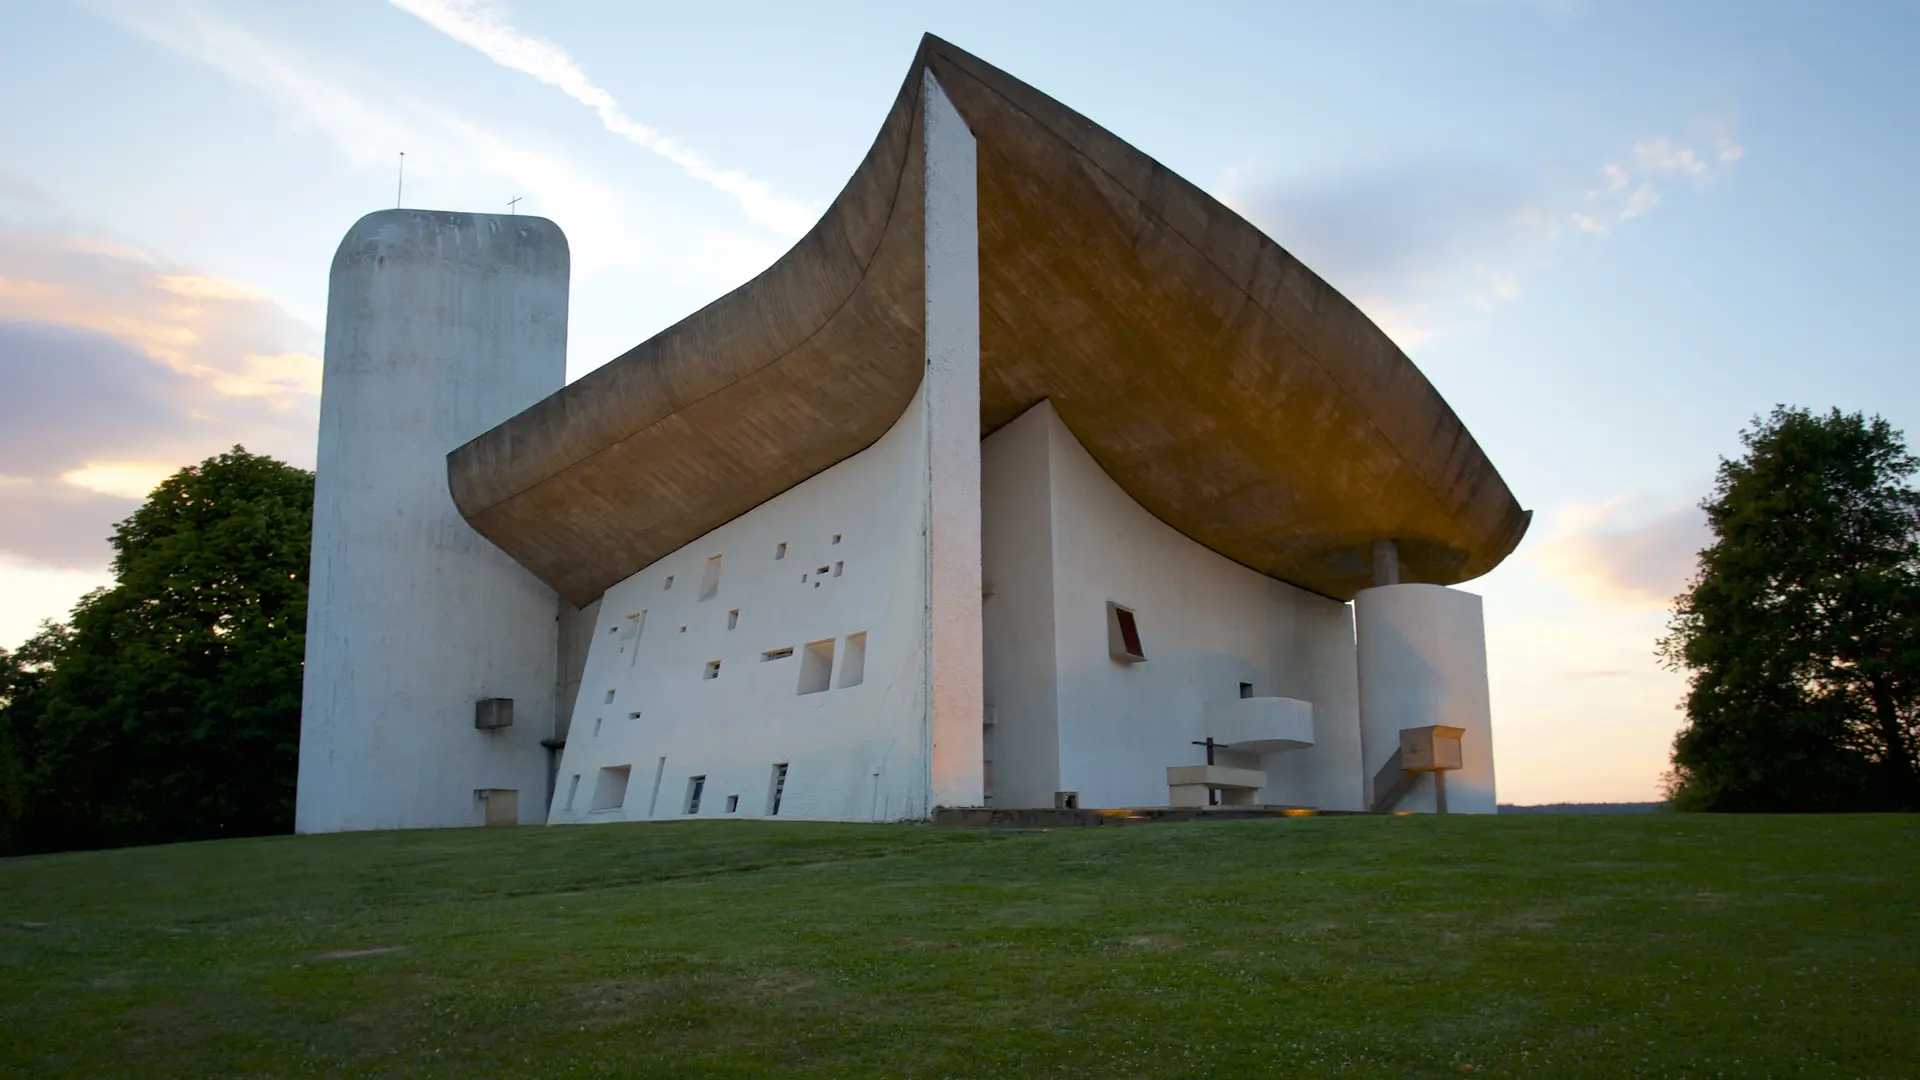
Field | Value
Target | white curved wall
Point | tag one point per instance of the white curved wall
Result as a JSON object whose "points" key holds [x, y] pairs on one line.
{"points": [[1061, 539], [650, 703], [1423, 660], [439, 326]]}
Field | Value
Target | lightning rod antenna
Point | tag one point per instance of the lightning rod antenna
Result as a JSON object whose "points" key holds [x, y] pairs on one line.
{"points": [[400, 182]]}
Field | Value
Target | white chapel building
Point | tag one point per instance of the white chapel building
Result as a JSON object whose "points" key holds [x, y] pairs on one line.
{"points": [[1032, 478]]}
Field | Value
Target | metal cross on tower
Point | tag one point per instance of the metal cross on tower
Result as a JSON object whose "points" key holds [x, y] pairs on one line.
{"points": [[512, 204]]}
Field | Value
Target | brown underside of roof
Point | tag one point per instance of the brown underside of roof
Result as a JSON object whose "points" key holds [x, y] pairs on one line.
{"points": [[1222, 384]]}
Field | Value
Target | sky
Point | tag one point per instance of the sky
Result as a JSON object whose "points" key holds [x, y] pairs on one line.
{"points": [[1611, 234]]}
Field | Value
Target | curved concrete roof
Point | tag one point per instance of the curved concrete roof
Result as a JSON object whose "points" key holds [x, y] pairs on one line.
{"points": [[1221, 383]]}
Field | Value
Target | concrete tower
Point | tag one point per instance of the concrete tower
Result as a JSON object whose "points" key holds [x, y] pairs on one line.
{"points": [[439, 326]]}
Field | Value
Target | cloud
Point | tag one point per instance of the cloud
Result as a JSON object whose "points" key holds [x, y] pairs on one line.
{"points": [[1611, 203], [370, 126], [119, 368], [483, 26], [1398, 240], [1643, 199], [1624, 553]]}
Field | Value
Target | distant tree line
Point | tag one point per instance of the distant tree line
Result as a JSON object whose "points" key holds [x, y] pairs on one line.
{"points": [[1800, 631], [168, 707]]}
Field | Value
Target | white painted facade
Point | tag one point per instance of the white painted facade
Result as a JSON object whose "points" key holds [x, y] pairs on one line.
{"points": [[1061, 541], [439, 326], [929, 623], [813, 607], [1423, 660]]}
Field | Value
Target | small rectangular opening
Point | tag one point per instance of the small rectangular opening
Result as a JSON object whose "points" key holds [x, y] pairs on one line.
{"points": [[780, 552], [853, 666], [778, 788], [836, 538], [710, 579], [838, 567], [816, 666], [596, 726], [573, 789], [695, 786], [733, 618], [823, 570], [633, 716], [733, 803], [636, 626], [610, 790], [776, 654], [713, 669], [1123, 634], [1246, 689], [609, 700], [669, 582]]}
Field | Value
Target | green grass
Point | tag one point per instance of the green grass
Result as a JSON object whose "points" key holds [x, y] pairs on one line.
{"points": [[1639, 945]]}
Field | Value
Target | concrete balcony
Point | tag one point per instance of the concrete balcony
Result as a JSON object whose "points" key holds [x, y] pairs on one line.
{"points": [[1261, 725]]}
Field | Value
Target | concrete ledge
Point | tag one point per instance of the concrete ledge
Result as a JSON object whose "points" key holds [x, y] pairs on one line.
{"points": [[1261, 725], [1215, 776]]}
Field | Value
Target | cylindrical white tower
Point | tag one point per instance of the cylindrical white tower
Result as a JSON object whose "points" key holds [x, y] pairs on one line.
{"points": [[1423, 661], [439, 326]]}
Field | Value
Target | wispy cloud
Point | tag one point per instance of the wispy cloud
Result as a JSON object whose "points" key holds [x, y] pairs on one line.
{"points": [[368, 125], [1611, 203], [1626, 552], [484, 27]]}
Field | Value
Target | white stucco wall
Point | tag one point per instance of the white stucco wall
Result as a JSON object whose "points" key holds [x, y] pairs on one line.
{"points": [[734, 728], [1022, 690], [439, 326], [1208, 624], [951, 397], [1423, 660]]}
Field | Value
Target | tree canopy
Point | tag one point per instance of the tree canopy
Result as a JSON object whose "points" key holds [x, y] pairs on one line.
{"points": [[1800, 631], [168, 708]]}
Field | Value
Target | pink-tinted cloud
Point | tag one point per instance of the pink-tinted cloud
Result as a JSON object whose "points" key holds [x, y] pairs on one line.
{"points": [[118, 368], [1621, 554]]}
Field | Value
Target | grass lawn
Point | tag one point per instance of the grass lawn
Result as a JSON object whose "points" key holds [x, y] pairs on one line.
{"points": [[1650, 945]]}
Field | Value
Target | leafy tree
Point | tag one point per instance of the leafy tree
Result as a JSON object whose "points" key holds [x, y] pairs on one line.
{"points": [[169, 709], [1801, 629]]}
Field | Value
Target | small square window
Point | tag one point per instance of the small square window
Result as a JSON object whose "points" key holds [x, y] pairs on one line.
{"points": [[838, 567], [596, 726], [780, 552], [733, 618], [669, 582], [713, 669], [610, 789], [733, 803], [1246, 689], [776, 654], [609, 700], [695, 786], [836, 538]]}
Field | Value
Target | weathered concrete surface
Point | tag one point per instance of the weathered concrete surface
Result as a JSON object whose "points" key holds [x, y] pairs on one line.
{"points": [[1222, 384], [439, 326]]}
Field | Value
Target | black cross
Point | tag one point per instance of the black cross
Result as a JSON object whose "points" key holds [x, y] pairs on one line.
{"points": [[1211, 746]]}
